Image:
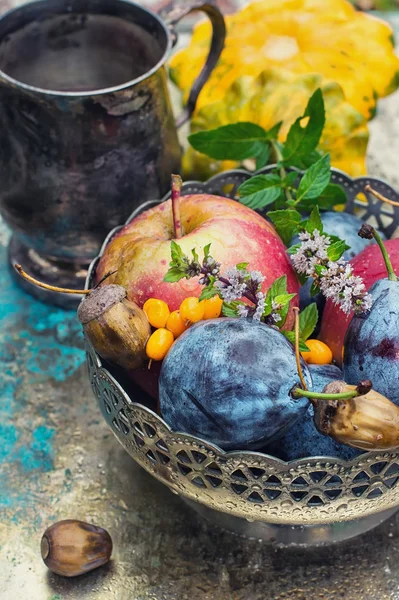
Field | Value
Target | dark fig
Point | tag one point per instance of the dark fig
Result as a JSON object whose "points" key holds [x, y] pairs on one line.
{"points": [[304, 439], [368, 421], [71, 548], [117, 327], [228, 381]]}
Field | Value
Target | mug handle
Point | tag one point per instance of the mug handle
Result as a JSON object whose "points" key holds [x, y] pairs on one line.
{"points": [[172, 17]]}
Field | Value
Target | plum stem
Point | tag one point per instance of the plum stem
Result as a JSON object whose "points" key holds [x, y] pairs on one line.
{"points": [[320, 396], [176, 190], [379, 196], [368, 232], [46, 286], [297, 353]]}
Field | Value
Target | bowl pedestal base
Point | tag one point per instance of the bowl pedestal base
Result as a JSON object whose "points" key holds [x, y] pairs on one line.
{"points": [[292, 535]]}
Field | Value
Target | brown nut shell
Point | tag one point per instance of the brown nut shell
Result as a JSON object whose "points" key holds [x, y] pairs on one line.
{"points": [[71, 548], [368, 422], [117, 327]]}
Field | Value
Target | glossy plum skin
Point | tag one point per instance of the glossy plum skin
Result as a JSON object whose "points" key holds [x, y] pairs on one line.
{"points": [[228, 381], [371, 348], [303, 440], [346, 227], [369, 265]]}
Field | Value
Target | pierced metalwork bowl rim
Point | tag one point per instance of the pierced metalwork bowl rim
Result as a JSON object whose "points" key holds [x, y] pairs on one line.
{"points": [[304, 465]]}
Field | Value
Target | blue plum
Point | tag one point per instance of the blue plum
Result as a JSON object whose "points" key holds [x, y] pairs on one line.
{"points": [[228, 381], [303, 440], [371, 346]]}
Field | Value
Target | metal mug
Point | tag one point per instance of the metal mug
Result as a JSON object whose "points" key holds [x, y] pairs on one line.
{"points": [[87, 132]]}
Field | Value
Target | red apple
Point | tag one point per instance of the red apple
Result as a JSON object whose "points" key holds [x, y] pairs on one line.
{"points": [[369, 265], [140, 254]]}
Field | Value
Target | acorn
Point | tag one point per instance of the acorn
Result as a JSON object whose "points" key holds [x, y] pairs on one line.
{"points": [[71, 548], [117, 328], [368, 421]]}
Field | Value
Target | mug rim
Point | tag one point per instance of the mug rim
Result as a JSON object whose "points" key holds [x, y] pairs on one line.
{"points": [[101, 91]]}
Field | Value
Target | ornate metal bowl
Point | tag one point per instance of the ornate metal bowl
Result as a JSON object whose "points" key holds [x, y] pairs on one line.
{"points": [[308, 501]]}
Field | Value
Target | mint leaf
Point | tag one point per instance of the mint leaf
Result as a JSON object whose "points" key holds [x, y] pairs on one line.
{"points": [[336, 250], [242, 266], [290, 335], [263, 157], [278, 288], [286, 223], [195, 255], [294, 249], [209, 291], [260, 190], [315, 180], [303, 140], [176, 252], [174, 274], [272, 134], [314, 221], [207, 251], [238, 141], [290, 179], [307, 321], [229, 309], [332, 195], [320, 270], [314, 290]]}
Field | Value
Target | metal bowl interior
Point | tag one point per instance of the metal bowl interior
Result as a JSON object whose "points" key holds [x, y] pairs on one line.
{"points": [[250, 485]]}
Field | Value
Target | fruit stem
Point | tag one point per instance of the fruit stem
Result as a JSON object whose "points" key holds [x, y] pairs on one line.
{"points": [[320, 396], [45, 286], [368, 232], [283, 172], [176, 190], [297, 353], [379, 196]]}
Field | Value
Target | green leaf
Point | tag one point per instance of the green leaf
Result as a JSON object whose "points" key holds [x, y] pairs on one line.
{"points": [[320, 270], [332, 195], [314, 221], [308, 319], [290, 179], [286, 223], [315, 180], [242, 266], [260, 190], [284, 298], [336, 250], [195, 255], [262, 157], [307, 161], [314, 289], [303, 140], [290, 335], [229, 309], [207, 251], [174, 274], [294, 249], [278, 287], [238, 141], [209, 291], [176, 252], [272, 134]]}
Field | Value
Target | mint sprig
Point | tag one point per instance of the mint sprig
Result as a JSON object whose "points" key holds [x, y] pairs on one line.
{"points": [[283, 187]]}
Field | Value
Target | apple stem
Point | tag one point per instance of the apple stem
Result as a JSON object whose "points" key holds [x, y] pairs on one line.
{"points": [[379, 196], [297, 353], [176, 190], [46, 286]]}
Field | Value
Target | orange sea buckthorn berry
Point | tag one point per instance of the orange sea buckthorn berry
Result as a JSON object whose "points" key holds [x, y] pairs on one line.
{"points": [[175, 323], [159, 343], [157, 312], [212, 307], [320, 353], [191, 310]]}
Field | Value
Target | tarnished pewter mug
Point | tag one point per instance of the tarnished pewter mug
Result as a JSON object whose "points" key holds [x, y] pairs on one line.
{"points": [[87, 132]]}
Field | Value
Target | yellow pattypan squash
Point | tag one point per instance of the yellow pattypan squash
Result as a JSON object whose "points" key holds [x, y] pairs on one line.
{"points": [[328, 37], [278, 95]]}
